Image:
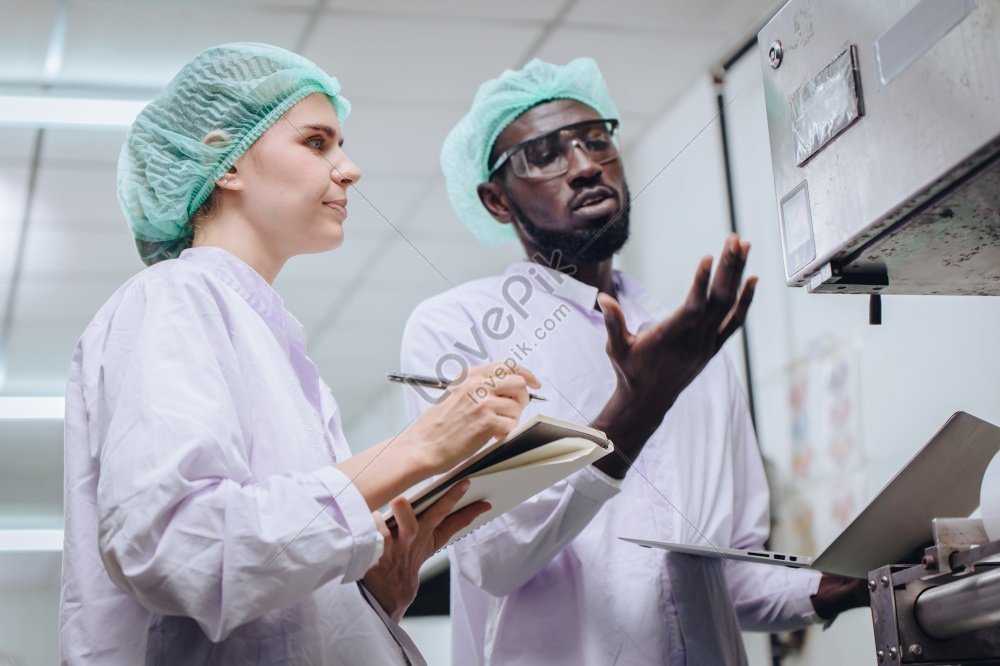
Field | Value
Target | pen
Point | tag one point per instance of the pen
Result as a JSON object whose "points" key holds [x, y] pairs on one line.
{"points": [[432, 382]]}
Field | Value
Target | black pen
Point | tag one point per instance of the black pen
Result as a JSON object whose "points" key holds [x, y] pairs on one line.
{"points": [[432, 382]]}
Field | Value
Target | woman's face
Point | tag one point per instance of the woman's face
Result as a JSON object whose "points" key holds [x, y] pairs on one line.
{"points": [[293, 181]]}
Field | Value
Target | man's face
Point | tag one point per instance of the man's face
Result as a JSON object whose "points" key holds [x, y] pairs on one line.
{"points": [[582, 213]]}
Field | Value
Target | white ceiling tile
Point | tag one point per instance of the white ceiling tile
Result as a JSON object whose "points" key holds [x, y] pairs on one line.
{"points": [[672, 16], [25, 33], [511, 10], [105, 45], [399, 138], [397, 60], [84, 254], [333, 270], [91, 146], [60, 303], [644, 72], [38, 357], [77, 199], [13, 194], [9, 237], [381, 203], [30, 571], [16, 144], [229, 5]]}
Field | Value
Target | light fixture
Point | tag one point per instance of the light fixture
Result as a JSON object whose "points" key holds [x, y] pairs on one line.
{"points": [[21, 408], [39, 111], [26, 541]]}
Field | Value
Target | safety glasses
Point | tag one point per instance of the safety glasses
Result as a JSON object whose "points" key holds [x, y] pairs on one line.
{"points": [[549, 155]]}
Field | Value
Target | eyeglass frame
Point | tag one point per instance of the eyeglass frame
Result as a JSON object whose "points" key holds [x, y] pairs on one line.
{"points": [[507, 154]]}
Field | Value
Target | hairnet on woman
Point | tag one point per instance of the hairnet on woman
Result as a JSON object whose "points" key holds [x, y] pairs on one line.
{"points": [[214, 513]]}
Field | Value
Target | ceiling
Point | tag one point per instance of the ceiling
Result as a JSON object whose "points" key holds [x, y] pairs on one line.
{"points": [[410, 70]]}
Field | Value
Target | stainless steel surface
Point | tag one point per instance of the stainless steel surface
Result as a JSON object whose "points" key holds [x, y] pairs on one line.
{"points": [[960, 607], [899, 638], [907, 199]]}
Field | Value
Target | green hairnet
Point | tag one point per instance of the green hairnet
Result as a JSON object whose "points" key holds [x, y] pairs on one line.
{"points": [[466, 151], [231, 93]]}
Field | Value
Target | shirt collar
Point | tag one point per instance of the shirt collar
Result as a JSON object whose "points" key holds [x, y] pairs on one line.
{"points": [[243, 279], [583, 295]]}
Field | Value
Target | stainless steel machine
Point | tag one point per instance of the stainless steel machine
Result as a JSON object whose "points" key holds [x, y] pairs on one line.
{"points": [[884, 122]]}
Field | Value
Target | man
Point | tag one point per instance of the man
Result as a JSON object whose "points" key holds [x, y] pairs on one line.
{"points": [[549, 582]]}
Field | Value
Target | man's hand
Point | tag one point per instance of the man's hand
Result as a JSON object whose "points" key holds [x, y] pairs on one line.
{"points": [[839, 593], [654, 366], [395, 579]]}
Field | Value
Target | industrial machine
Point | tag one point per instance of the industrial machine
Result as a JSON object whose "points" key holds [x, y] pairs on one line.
{"points": [[884, 126], [884, 123]]}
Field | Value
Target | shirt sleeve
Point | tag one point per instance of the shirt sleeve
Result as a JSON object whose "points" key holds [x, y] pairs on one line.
{"points": [[510, 550], [185, 526], [767, 598]]}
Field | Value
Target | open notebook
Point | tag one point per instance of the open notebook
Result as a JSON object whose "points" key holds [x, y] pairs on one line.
{"points": [[535, 455], [941, 481]]}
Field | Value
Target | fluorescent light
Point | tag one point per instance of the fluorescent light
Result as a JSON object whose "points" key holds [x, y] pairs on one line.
{"points": [[31, 408], [35, 111], [23, 541]]}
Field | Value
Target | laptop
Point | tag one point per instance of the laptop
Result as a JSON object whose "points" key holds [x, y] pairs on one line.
{"points": [[941, 481]]}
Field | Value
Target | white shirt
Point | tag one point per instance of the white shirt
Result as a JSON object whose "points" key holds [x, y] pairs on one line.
{"points": [[205, 521], [549, 582]]}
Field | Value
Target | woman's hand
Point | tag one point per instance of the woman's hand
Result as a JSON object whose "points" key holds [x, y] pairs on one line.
{"points": [[395, 579], [486, 404]]}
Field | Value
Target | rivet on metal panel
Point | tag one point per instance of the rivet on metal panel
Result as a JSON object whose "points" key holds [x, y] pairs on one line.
{"points": [[916, 649], [871, 586], [892, 653], [884, 580], [880, 655], [774, 54]]}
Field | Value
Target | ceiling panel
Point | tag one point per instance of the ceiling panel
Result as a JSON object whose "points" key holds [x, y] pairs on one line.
{"points": [[231, 5], [329, 270], [93, 147], [396, 60], [672, 18], [77, 199], [25, 33], [20, 571], [644, 77], [38, 359], [99, 34], [32, 452], [16, 144], [380, 203], [86, 254], [70, 303], [13, 193], [511, 10], [399, 139]]}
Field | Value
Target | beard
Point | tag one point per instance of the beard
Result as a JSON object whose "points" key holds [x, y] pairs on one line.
{"points": [[590, 245]]}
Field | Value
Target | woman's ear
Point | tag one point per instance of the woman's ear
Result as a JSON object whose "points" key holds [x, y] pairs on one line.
{"points": [[230, 181], [495, 200]]}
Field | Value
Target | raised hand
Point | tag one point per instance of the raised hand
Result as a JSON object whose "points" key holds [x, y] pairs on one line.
{"points": [[395, 579], [654, 366]]}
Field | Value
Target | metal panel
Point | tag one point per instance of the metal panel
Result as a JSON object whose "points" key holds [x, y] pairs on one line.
{"points": [[905, 199]]}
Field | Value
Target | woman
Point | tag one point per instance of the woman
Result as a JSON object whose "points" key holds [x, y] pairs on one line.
{"points": [[214, 513]]}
